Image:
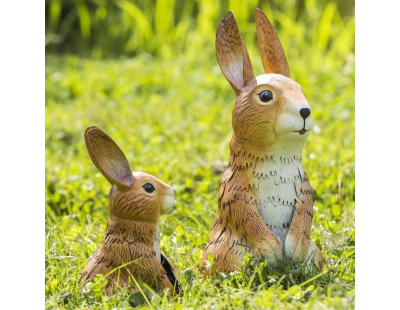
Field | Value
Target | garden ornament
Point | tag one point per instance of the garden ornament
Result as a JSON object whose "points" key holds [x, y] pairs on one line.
{"points": [[265, 204], [130, 251]]}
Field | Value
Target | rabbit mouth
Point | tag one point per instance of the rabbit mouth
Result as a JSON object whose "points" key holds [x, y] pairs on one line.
{"points": [[169, 202], [301, 132]]}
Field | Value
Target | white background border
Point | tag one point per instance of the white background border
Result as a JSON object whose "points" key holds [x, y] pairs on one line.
{"points": [[377, 154], [22, 124]]}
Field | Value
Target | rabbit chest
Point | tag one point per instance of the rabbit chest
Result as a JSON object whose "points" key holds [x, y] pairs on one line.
{"points": [[277, 182]]}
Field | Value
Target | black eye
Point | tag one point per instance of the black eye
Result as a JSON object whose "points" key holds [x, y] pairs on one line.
{"points": [[266, 96], [149, 188]]}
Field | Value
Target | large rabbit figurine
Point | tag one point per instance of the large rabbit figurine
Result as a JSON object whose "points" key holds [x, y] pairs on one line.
{"points": [[131, 246], [265, 204]]}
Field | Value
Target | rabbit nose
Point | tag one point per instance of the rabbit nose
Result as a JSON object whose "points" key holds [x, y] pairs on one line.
{"points": [[305, 112]]}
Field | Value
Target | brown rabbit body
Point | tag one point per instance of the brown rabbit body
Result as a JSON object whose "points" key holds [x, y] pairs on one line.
{"points": [[265, 204], [131, 247]]}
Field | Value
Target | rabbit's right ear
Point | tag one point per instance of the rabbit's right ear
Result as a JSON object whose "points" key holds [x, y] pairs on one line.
{"points": [[232, 54], [108, 157]]}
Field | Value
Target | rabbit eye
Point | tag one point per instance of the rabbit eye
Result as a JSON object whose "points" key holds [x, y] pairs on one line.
{"points": [[266, 96], [149, 188]]}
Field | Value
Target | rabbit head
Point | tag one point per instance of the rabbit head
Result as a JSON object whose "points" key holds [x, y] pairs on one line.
{"points": [[270, 109], [134, 196]]}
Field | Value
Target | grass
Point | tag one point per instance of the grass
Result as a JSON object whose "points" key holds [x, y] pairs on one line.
{"points": [[171, 116]]}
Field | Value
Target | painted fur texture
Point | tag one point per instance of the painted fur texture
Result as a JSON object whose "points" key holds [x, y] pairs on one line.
{"points": [[131, 246], [265, 204]]}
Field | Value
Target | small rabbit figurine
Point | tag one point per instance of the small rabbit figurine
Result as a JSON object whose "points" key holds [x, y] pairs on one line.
{"points": [[136, 201], [265, 204]]}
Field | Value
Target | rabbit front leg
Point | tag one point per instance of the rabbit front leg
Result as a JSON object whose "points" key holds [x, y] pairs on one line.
{"points": [[298, 245], [248, 224]]}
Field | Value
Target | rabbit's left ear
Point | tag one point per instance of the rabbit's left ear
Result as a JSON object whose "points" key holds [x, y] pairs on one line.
{"points": [[272, 54], [108, 157]]}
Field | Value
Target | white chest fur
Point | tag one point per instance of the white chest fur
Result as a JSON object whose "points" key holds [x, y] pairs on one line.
{"points": [[278, 180]]}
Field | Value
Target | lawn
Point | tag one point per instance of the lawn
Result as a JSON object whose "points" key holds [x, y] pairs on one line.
{"points": [[171, 116]]}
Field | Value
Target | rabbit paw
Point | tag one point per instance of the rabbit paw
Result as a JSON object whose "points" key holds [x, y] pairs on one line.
{"points": [[296, 248], [272, 251]]}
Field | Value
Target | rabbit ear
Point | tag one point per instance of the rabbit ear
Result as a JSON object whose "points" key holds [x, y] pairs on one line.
{"points": [[108, 157], [272, 54], [232, 54]]}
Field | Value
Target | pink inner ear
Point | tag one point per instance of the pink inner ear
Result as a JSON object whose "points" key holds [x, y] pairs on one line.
{"points": [[127, 180], [234, 72]]}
